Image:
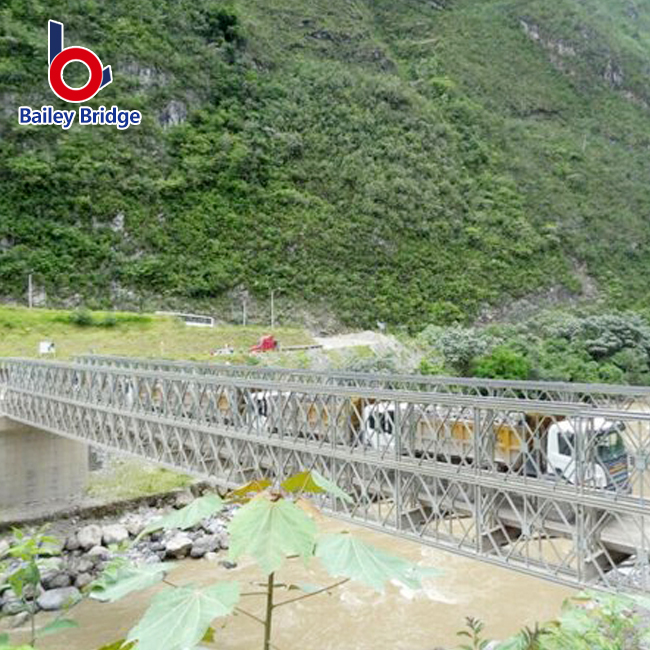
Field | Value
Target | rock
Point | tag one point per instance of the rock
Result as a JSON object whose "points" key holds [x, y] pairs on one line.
{"points": [[72, 543], [19, 620], [224, 540], [98, 553], [227, 564], [203, 545], [134, 524], [56, 580], [211, 557], [55, 599], [178, 546], [82, 565], [13, 605], [5, 545], [183, 498], [115, 534], [83, 580], [90, 536]]}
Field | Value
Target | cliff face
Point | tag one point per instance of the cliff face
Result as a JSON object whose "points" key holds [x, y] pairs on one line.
{"points": [[403, 162]]}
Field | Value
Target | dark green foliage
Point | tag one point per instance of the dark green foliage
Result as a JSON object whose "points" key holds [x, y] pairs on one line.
{"points": [[609, 348], [388, 161], [503, 363]]}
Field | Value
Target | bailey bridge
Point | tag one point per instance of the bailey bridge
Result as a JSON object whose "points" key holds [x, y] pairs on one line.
{"points": [[455, 463]]}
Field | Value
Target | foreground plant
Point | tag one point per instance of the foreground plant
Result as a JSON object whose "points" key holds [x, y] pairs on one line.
{"points": [[21, 566], [273, 524]]}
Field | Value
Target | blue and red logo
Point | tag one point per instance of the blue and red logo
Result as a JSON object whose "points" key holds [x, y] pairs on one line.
{"points": [[59, 57], [99, 76]]}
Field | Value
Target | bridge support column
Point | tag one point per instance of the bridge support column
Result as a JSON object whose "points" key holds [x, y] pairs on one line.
{"points": [[38, 470]]}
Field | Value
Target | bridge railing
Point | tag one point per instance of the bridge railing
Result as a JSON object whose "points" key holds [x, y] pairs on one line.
{"points": [[475, 474], [634, 398]]}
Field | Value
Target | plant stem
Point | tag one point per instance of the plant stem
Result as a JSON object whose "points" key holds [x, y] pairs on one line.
{"points": [[314, 593], [268, 619]]}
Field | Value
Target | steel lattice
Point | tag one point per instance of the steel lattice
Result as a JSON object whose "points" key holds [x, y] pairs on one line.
{"points": [[467, 473]]}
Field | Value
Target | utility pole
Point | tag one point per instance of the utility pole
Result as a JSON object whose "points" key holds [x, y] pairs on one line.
{"points": [[30, 291], [272, 309], [243, 300]]}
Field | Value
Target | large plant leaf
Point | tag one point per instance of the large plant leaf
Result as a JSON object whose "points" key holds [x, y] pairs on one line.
{"points": [[269, 531], [188, 516], [119, 645], [119, 580], [313, 483], [244, 492], [347, 556], [178, 618]]}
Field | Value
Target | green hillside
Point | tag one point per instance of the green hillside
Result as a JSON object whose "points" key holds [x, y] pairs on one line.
{"points": [[412, 162]]}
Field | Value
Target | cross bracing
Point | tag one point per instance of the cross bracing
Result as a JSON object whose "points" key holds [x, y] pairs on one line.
{"points": [[555, 489], [620, 397]]}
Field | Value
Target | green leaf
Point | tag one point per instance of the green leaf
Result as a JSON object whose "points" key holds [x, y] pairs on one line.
{"points": [[178, 618], [345, 555], [314, 483], [188, 516], [118, 581], [57, 626], [253, 487], [269, 531]]}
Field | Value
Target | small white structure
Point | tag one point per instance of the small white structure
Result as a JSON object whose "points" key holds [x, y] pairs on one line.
{"points": [[195, 320], [46, 347]]}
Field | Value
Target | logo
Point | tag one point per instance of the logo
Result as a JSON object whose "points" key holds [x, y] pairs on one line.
{"points": [[59, 57], [98, 77]]}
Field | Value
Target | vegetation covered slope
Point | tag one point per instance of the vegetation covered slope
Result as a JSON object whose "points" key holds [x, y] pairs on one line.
{"points": [[407, 162]]}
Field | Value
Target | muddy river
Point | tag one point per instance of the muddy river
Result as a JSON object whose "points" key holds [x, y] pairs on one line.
{"points": [[352, 617]]}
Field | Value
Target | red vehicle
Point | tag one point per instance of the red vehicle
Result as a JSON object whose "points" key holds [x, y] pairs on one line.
{"points": [[266, 344]]}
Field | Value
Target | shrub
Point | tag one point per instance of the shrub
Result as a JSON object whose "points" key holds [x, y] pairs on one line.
{"points": [[503, 363], [82, 318]]}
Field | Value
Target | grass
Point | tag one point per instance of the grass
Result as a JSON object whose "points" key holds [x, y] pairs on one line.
{"points": [[128, 479], [143, 335]]}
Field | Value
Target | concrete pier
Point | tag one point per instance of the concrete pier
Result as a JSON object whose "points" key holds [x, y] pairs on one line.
{"points": [[38, 469]]}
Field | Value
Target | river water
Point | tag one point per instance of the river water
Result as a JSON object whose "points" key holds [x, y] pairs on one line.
{"points": [[353, 617]]}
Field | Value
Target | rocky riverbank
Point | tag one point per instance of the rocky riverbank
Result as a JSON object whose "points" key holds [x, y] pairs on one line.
{"points": [[86, 545]]}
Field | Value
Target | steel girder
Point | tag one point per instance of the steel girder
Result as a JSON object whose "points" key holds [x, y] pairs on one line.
{"points": [[440, 479], [601, 395]]}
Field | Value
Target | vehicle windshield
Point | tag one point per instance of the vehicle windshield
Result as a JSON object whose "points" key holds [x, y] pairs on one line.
{"points": [[383, 422], [610, 446]]}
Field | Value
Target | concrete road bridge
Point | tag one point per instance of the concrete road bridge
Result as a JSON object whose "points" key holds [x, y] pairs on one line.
{"points": [[552, 487]]}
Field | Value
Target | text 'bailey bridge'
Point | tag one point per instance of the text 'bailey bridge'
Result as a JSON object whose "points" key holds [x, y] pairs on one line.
{"points": [[549, 479]]}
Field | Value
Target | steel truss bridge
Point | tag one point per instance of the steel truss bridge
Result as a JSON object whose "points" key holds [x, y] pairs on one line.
{"points": [[461, 469]]}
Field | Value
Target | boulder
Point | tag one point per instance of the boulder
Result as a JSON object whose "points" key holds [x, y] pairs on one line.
{"points": [[56, 579], [82, 565], [178, 546], [83, 580], [72, 543], [90, 536], [19, 620], [55, 599], [98, 553], [227, 564], [211, 557], [203, 545], [134, 524], [13, 605], [183, 498], [114, 534]]}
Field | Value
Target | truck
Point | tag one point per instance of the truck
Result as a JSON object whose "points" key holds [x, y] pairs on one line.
{"points": [[526, 444]]}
